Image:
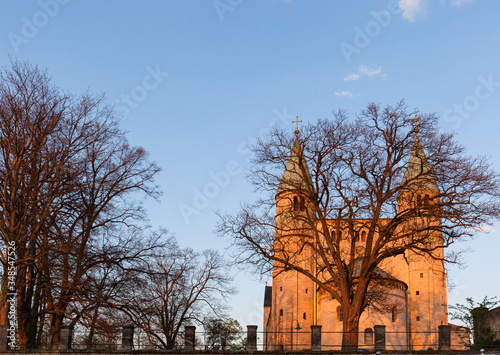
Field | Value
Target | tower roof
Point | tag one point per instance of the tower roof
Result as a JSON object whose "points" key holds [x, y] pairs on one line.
{"points": [[418, 174], [293, 178]]}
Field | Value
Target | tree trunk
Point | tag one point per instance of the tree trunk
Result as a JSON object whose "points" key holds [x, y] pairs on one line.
{"points": [[56, 331], [41, 323], [23, 318], [32, 332], [3, 298], [350, 333], [170, 343], [90, 339], [31, 342]]}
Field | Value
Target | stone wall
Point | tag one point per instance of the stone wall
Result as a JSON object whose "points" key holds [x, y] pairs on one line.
{"points": [[492, 320], [175, 352], [314, 344]]}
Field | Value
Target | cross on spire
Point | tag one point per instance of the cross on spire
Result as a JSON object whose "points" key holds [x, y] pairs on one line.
{"points": [[417, 121], [297, 122]]}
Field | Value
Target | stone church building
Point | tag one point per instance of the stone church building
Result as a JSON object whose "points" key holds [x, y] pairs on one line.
{"points": [[415, 291]]}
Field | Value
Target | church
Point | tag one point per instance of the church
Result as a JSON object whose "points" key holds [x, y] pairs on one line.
{"points": [[413, 286]]}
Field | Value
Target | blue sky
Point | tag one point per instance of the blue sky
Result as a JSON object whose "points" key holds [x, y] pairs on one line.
{"points": [[195, 81]]}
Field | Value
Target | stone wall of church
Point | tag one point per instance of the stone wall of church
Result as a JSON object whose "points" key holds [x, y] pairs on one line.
{"points": [[390, 311], [292, 309], [492, 320]]}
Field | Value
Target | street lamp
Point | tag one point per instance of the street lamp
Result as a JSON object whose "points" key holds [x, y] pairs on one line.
{"points": [[291, 332]]}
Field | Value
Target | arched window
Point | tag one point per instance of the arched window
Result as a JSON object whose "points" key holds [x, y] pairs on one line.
{"points": [[281, 312], [340, 314], [339, 235], [363, 236], [304, 315], [368, 336], [394, 311], [298, 204]]}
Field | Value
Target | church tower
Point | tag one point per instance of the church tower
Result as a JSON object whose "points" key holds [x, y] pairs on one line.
{"points": [[426, 276], [291, 312]]}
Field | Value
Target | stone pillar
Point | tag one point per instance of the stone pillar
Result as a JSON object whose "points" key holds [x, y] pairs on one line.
{"points": [[444, 337], [3, 337], [251, 337], [379, 331], [127, 337], [65, 337], [316, 337], [189, 337]]}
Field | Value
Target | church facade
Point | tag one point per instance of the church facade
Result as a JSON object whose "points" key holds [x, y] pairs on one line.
{"points": [[414, 290]]}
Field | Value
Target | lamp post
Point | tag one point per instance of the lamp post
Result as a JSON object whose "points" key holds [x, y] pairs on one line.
{"points": [[291, 333]]}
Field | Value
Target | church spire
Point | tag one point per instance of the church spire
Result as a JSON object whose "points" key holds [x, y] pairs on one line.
{"points": [[418, 174], [296, 175]]}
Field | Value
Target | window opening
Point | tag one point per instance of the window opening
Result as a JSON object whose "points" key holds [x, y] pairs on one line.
{"points": [[295, 206], [340, 314], [368, 336]]}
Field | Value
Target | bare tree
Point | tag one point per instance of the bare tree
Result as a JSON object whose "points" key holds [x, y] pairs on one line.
{"points": [[179, 288], [337, 178], [30, 116], [108, 172], [69, 178], [101, 303]]}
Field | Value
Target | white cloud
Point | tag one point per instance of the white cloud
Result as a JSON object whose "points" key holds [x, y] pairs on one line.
{"points": [[369, 71], [413, 8], [352, 76], [458, 3], [347, 94], [363, 70]]}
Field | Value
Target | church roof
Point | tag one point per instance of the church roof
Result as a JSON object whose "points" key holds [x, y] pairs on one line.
{"points": [[378, 273], [418, 173], [293, 178]]}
